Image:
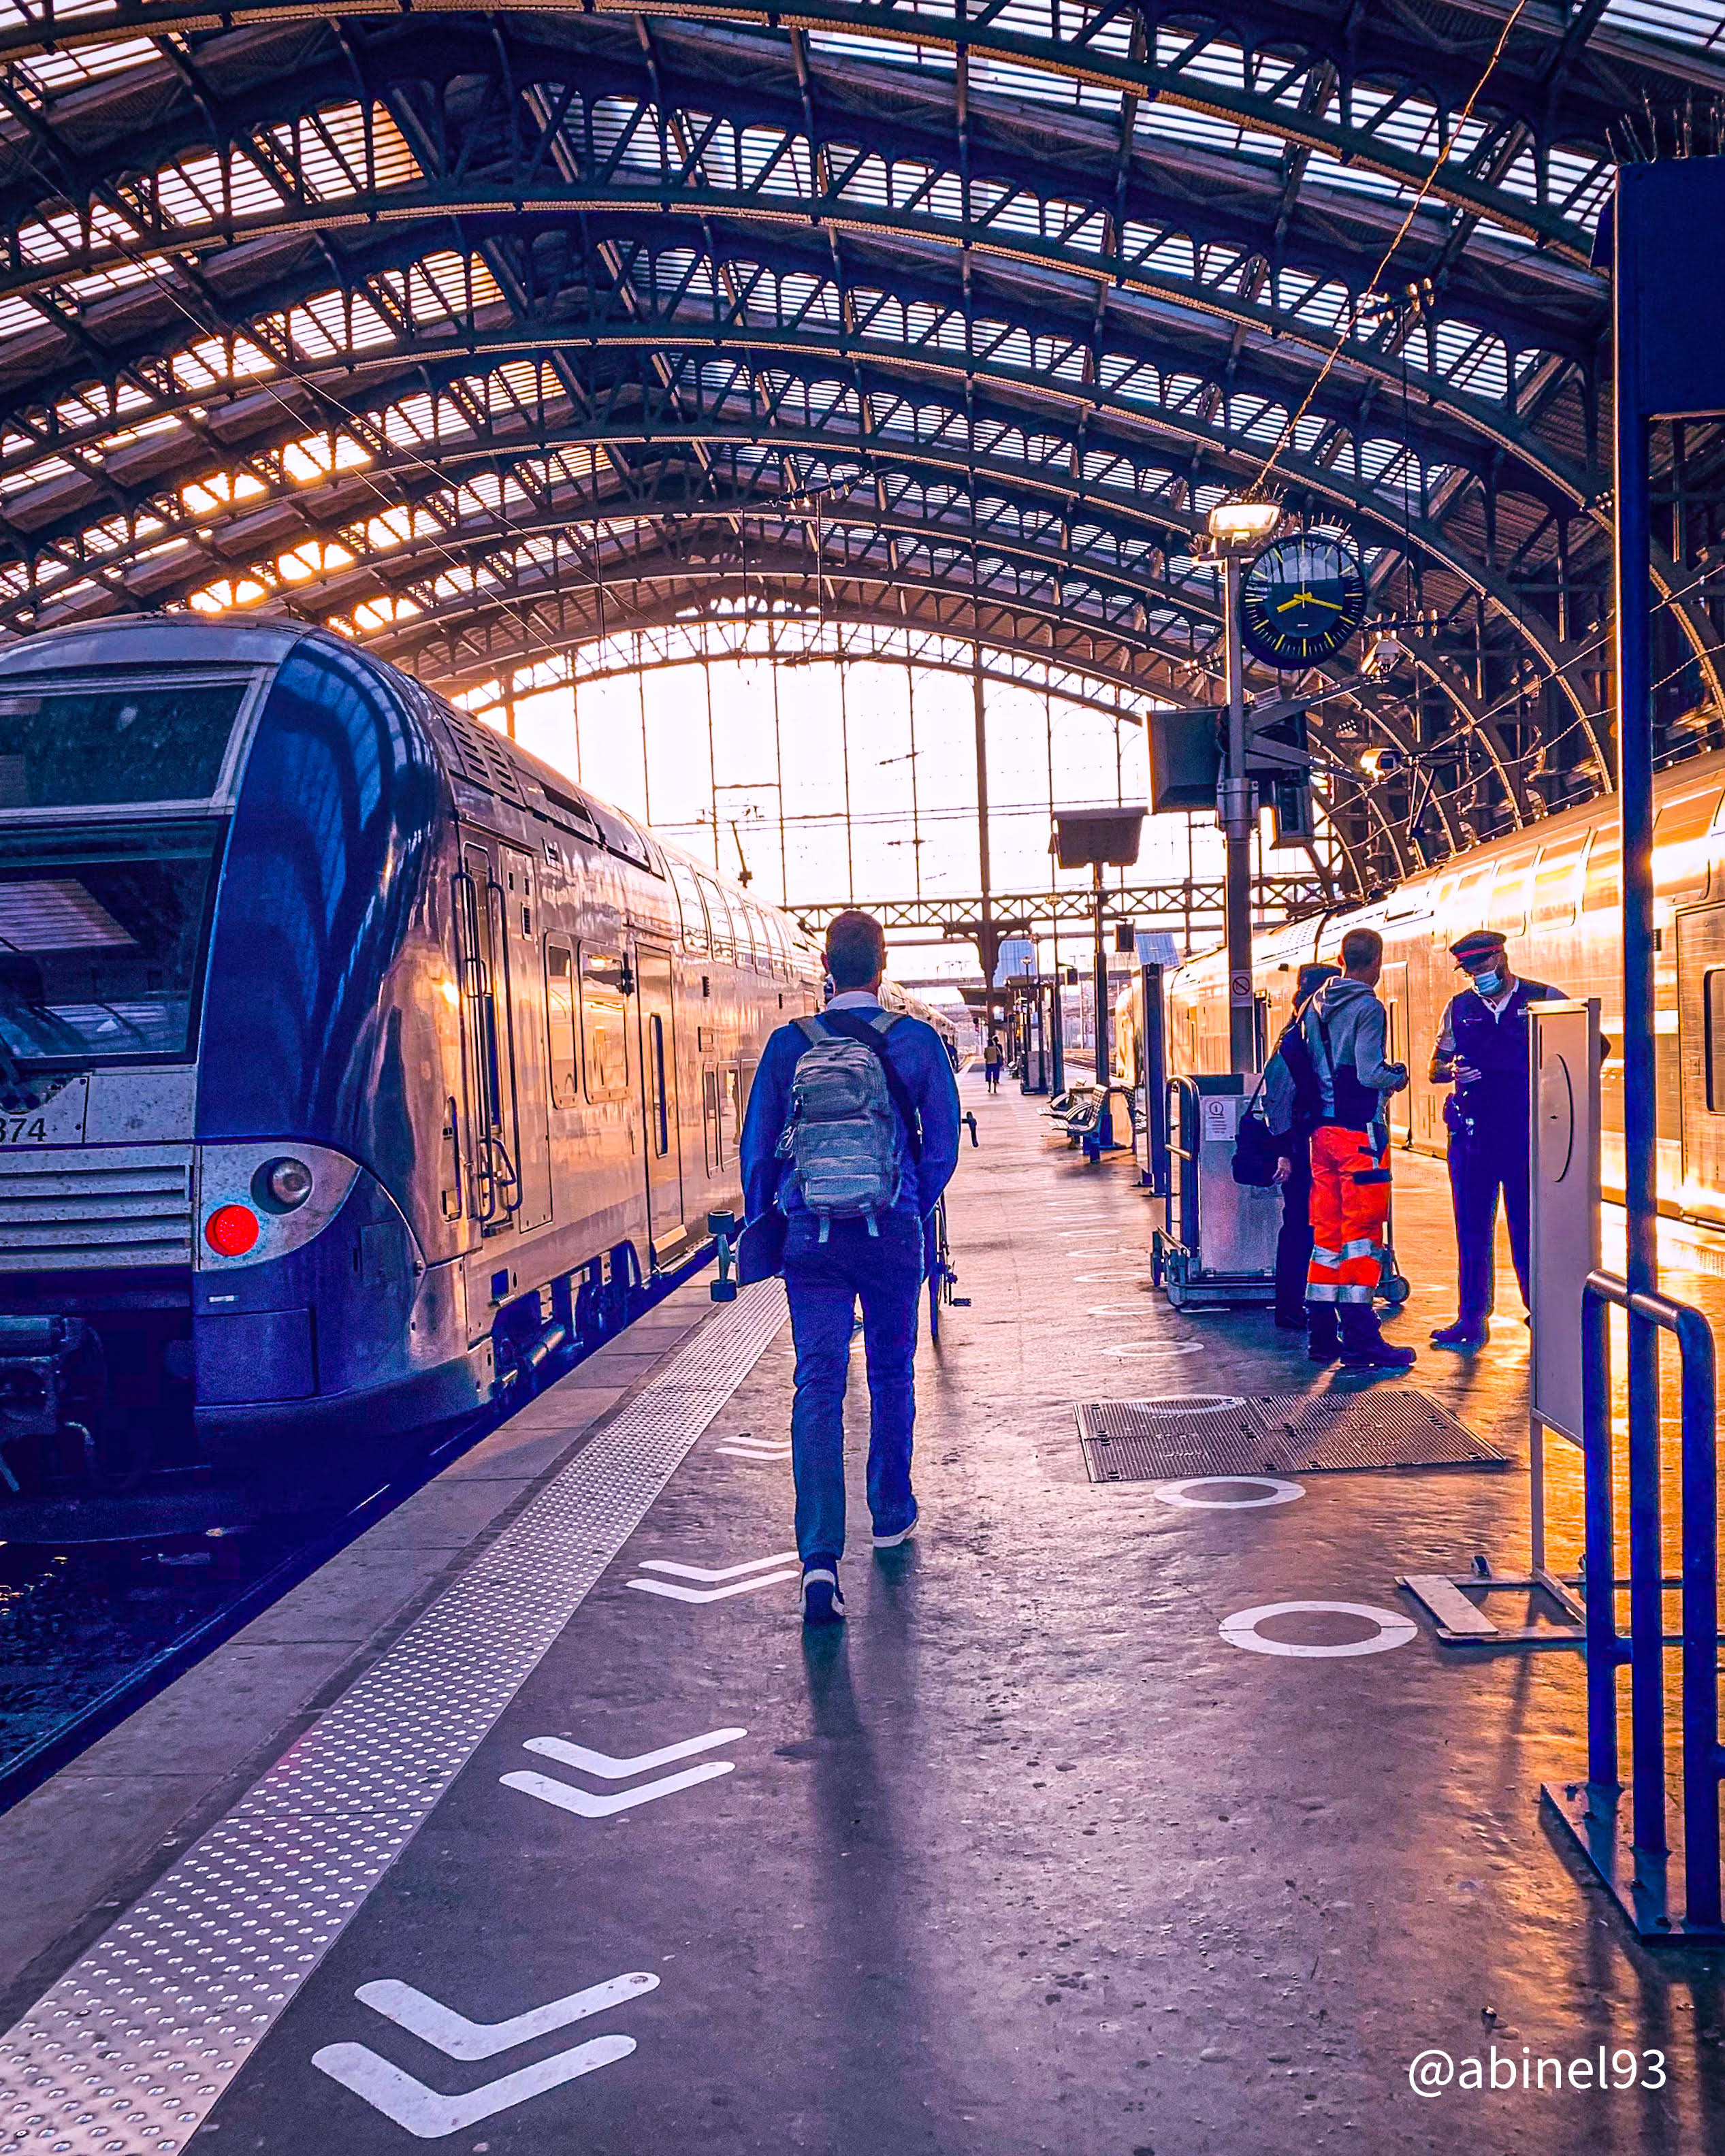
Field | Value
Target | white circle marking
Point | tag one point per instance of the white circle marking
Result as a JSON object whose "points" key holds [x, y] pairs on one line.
{"points": [[1394, 1630], [1179, 1493]]}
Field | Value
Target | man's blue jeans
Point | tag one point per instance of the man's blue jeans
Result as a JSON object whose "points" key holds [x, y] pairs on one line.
{"points": [[824, 1283]]}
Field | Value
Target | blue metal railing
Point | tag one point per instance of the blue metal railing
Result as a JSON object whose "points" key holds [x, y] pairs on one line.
{"points": [[1703, 1761]]}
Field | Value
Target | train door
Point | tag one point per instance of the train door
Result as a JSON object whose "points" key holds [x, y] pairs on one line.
{"points": [[516, 904], [1396, 1033], [655, 1007], [495, 1187], [1700, 1059]]}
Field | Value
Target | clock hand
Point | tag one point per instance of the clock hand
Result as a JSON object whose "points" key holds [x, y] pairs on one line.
{"points": [[1308, 598]]}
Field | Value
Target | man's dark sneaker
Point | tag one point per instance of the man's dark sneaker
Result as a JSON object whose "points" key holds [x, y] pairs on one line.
{"points": [[822, 1601], [1323, 1351], [1461, 1334], [899, 1535], [1378, 1354]]}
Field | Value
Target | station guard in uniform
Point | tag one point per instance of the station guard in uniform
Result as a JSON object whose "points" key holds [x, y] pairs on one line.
{"points": [[1483, 1051]]}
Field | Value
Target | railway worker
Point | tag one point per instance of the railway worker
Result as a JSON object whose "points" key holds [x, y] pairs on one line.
{"points": [[1290, 1109], [1483, 1051], [1343, 1028], [811, 1157]]}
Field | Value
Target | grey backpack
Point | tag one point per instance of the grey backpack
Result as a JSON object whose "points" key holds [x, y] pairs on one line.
{"points": [[842, 1137]]}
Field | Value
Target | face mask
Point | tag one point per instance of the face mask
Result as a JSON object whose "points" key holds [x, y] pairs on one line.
{"points": [[1488, 984]]}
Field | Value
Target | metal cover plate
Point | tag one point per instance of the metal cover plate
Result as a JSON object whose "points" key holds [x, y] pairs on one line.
{"points": [[1163, 1441]]}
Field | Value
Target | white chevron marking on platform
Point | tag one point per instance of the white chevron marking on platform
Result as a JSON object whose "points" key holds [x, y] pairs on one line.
{"points": [[609, 1769], [672, 1593], [567, 1798], [729, 1572], [757, 1448], [429, 2116], [458, 2038]]}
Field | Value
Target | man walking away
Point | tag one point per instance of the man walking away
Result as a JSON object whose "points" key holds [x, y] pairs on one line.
{"points": [[851, 1135], [993, 1059], [1291, 1105], [1482, 1050], [1344, 1027]]}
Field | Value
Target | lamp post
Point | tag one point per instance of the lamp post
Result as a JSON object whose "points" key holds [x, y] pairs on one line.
{"points": [[1237, 529]]}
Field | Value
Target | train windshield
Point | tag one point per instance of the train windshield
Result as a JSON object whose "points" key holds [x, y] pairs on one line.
{"points": [[66, 745], [102, 937]]}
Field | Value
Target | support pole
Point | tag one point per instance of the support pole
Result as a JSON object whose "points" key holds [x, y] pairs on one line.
{"points": [[987, 943], [1634, 795], [1105, 1124], [1237, 825]]}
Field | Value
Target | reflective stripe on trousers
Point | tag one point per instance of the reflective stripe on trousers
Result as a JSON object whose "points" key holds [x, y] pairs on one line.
{"points": [[1350, 1207]]}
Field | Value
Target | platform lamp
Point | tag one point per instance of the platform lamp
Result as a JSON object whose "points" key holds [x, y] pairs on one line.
{"points": [[1237, 529], [1097, 839]]}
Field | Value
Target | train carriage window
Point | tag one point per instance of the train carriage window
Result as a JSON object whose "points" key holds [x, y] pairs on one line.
{"points": [[604, 1035], [1682, 845], [66, 745], [1472, 895], [562, 1025], [1508, 911], [688, 890], [1557, 880], [1604, 865], [104, 939], [718, 914], [659, 1091], [1713, 1013]]}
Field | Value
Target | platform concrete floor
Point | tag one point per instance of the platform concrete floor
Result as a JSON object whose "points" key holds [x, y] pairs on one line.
{"points": [[1027, 1858]]}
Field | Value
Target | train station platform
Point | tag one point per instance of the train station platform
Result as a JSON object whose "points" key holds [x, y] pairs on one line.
{"points": [[561, 1834]]}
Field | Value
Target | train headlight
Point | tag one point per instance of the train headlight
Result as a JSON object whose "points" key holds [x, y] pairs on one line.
{"points": [[285, 1184], [231, 1230]]}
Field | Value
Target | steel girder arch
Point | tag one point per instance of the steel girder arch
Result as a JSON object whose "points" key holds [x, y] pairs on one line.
{"points": [[1386, 89], [543, 616], [1106, 417], [726, 636], [540, 148]]}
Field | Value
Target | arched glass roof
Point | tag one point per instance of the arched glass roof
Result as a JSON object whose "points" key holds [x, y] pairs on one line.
{"points": [[486, 336]]}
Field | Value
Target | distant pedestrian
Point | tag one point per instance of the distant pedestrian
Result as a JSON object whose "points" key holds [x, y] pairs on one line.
{"points": [[1482, 1050], [851, 1135], [1292, 1107], [1344, 1027], [993, 1062]]}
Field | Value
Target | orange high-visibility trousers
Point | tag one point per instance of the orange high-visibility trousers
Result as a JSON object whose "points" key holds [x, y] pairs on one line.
{"points": [[1350, 1207]]}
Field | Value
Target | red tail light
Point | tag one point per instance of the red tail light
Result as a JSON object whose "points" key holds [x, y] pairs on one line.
{"points": [[231, 1230]]}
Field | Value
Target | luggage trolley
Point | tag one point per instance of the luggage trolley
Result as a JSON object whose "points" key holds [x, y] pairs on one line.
{"points": [[1216, 1247]]}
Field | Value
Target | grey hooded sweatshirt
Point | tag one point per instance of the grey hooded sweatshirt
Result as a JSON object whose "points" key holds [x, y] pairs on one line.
{"points": [[1355, 1023]]}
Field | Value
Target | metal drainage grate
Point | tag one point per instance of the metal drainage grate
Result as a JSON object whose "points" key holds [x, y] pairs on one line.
{"points": [[1274, 1434]]}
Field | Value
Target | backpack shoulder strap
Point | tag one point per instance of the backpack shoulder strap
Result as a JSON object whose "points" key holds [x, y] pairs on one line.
{"points": [[812, 1031]]}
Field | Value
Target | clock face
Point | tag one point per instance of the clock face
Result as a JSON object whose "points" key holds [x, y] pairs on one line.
{"points": [[1301, 599]]}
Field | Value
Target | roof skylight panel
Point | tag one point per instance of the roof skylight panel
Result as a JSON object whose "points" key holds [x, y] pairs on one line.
{"points": [[771, 163], [843, 45], [61, 71], [1579, 184], [1323, 170], [1699, 25], [1173, 123], [101, 283], [19, 316]]}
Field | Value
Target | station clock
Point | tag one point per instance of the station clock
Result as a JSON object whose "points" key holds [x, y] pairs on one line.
{"points": [[1301, 599]]}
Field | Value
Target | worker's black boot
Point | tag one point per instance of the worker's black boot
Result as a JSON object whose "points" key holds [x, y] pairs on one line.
{"points": [[1364, 1348], [1323, 1343]]}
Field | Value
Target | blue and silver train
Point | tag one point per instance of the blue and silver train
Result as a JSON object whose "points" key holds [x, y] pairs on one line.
{"points": [[352, 1063]]}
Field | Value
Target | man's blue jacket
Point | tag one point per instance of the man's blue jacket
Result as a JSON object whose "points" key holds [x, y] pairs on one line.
{"points": [[916, 1053]]}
